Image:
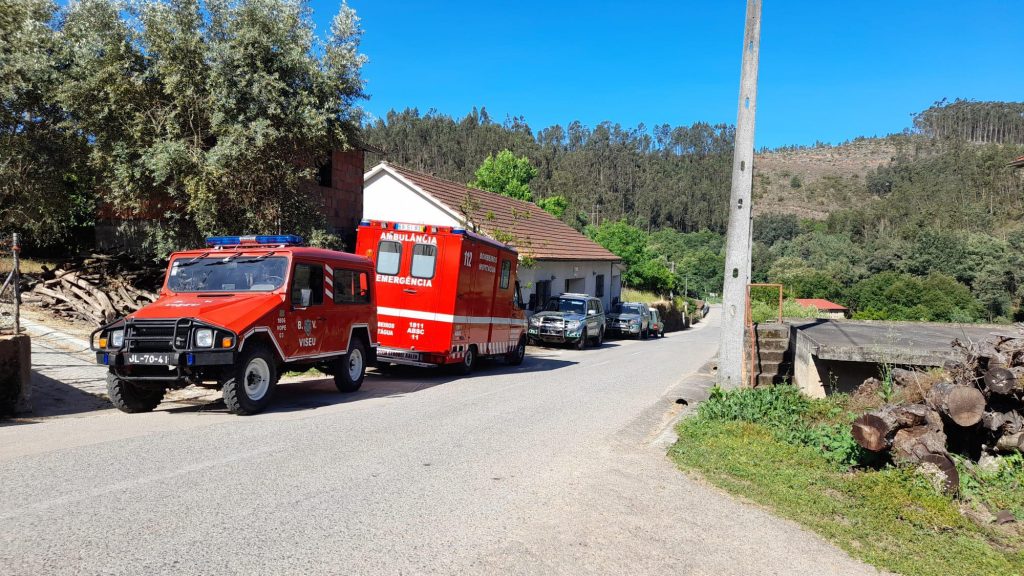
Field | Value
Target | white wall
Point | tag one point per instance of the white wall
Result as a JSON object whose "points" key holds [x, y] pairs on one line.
{"points": [[390, 199], [586, 270]]}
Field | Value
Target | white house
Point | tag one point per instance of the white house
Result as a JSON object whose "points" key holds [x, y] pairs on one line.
{"points": [[553, 257]]}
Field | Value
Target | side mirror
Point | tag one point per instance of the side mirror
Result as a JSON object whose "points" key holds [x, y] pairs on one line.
{"points": [[591, 312], [307, 296]]}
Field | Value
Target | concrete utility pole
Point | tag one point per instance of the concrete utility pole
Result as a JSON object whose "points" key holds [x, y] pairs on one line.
{"points": [[737, 256]]}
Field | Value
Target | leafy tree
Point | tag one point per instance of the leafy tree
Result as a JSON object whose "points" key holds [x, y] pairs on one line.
{"points": [[44, 180], [554, 205], [211, 115], [644, 269], [772, 228], [506, 174]]}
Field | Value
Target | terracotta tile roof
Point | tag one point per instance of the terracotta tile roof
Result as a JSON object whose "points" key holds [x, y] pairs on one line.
{"points": [[820, 304], [1019, 162], [522, 225]]}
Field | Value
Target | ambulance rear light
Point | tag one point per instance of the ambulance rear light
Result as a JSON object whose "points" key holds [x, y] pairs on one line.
{"points": [[364, 223], [261, 239], [458, 230]]}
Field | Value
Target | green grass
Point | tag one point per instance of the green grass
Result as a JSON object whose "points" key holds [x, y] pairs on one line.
{"points": [[789, 454]]}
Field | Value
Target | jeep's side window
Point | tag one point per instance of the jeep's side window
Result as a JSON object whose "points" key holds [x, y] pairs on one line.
{"points": [[389, 257], [351, 287], [506, 272], [424, 257], [308, 285]]}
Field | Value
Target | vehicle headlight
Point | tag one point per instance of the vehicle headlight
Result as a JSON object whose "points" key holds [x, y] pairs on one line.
{"points": [[572, 324], [534, 320], [116, 338], [204, 338], [634, 322]]}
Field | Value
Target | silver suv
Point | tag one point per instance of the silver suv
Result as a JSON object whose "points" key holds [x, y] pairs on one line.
{"points": [[569, 318]]}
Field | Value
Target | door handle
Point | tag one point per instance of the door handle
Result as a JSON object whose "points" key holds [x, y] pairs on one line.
{"points": [[409, 291]]}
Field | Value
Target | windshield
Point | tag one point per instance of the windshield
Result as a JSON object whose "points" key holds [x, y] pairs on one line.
{"points": [[628, 309], [566, 305], [230, 273]]}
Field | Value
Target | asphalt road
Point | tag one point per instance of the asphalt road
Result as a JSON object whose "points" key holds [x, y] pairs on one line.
{"points": [[553, 467]]}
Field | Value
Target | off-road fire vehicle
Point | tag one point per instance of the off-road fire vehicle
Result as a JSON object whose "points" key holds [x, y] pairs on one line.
{"points": [[238, 314]]}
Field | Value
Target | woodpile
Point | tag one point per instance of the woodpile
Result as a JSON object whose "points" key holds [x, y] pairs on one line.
{"points": [[976, 409], [96, 290]]}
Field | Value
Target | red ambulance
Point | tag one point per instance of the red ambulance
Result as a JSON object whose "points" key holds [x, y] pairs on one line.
{"points": [[445, 296]]}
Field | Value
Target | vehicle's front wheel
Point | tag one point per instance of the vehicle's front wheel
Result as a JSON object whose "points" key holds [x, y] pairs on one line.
{"points": [[252, 380], [132, 398], [582, 342], [516, 356], [350, 370], [599, 339]]}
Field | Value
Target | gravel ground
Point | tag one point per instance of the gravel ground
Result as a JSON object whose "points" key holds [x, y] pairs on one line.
{"points": [[554, 467]]}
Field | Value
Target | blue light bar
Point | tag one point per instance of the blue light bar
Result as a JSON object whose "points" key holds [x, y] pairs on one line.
{"points": [[280, 239]]}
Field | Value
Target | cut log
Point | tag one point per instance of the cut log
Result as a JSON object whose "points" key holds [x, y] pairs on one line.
{"points": [[1000, 380], [904, 377], [964, 405], [874, 431], [910, 445], [941, 470], [1010, 442], [1003, 422]]}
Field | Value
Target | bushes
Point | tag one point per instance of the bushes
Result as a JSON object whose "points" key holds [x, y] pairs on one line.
{"points": [[823, 425]]}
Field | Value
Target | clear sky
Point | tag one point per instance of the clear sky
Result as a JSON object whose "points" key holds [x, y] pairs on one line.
{"points": [[830, 70]]}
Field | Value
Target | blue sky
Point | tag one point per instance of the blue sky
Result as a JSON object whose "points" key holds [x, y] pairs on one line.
{"points": [[830, 70]]}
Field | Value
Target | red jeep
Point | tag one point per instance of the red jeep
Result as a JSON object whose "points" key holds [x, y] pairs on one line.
{"points": [[236, 315]]}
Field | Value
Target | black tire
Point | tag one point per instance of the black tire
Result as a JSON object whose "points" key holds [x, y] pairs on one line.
{"points": [[516, 356], [599, 339], [350, 369], [133, 398], [468, 361], [582, 342], [644, 333], [244, 389]]}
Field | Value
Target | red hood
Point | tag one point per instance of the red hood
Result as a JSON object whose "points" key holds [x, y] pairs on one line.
{"points": [[236, 312]]}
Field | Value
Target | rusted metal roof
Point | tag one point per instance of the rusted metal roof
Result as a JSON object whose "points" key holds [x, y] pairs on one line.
{"points": [[522, 225], [821, 304]]}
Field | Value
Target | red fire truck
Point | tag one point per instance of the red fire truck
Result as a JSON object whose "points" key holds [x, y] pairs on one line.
{"points": [[236, 315], [445, 296]]}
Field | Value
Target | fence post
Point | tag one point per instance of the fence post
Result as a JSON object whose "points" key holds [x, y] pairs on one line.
{"points": [[16, 278]]}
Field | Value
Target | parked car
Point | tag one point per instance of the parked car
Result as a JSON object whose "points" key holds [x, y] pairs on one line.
{"points": [[569, 318], [238, 314], [657, 326], [630, 319]]}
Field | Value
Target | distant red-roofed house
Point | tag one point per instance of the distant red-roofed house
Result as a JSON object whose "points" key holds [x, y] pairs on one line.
{"points": [[825, 308], [554, 257]]}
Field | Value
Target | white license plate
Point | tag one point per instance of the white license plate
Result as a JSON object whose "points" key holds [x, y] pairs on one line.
{"points": [[150, 359]]}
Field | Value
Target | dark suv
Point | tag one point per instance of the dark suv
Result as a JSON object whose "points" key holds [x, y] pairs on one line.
{"points": [[630, 319], [569, 318]]}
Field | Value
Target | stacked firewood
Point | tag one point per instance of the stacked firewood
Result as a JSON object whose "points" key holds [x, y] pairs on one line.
{"points": [[96, 290], [977, 408]]}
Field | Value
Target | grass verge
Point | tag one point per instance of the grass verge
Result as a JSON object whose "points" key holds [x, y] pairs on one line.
{"points": [[790, 454]]}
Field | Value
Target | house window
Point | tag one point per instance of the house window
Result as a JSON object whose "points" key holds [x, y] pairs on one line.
{"points": [[424, 257], [506, 272], [308, 285], [389, 257], [599, 288], [351, 287], [323, 174]]}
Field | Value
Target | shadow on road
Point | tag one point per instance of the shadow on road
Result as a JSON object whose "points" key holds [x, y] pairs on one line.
{"points": [[55, 398], [396, 382]]}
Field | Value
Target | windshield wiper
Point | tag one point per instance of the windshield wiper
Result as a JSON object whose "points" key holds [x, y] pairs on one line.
{"points": [[256, 259], [194, 260], [225, 260]]}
